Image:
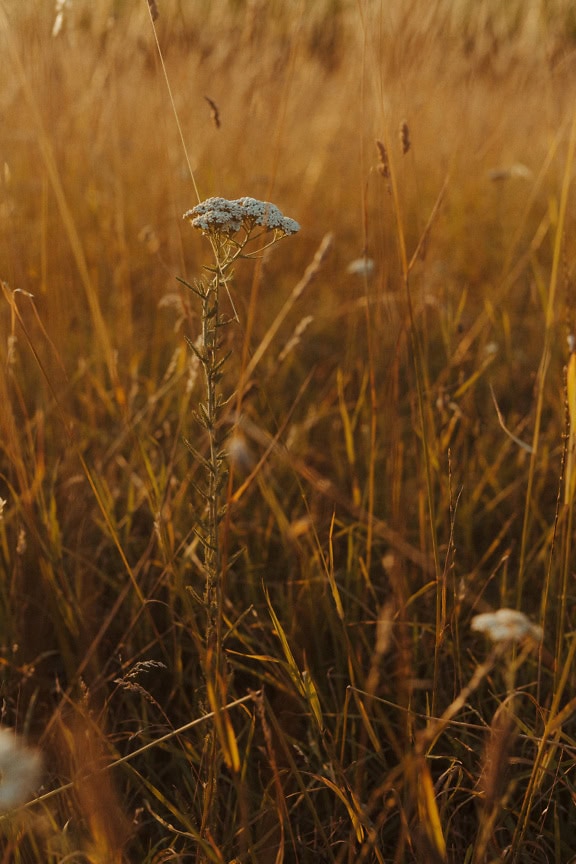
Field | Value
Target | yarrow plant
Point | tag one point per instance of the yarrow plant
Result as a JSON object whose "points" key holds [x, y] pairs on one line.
{"points": [[507, 629], [506, 625], [230, 226]]}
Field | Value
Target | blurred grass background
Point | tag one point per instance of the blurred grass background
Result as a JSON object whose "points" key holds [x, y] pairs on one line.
{"points": [[99, 598]]}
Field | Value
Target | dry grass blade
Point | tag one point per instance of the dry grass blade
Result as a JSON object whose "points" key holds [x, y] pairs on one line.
{"points": [[311, 271]]}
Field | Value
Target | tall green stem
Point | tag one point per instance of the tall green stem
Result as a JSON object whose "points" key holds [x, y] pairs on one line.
{"points": [[215, 474]]}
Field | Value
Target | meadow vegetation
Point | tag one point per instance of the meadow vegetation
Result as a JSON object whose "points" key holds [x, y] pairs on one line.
{"points": [[399, 433]]}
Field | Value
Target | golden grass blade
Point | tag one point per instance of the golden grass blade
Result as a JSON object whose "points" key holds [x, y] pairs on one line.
{"points": [[428, 809], [570, 481]]}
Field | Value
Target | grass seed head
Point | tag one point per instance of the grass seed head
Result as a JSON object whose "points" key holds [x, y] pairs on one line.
{"points": [[383, 166], [405, 137]]}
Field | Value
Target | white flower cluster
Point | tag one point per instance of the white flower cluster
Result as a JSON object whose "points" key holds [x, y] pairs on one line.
{"points": [[221, 216], [20, 769], [506, 625], [361, 267]]}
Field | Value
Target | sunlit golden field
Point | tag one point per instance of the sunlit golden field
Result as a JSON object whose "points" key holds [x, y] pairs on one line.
{"points": [[398, 432]]}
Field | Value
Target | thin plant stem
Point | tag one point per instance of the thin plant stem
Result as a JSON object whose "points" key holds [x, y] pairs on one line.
{"points": [[229, 227]]}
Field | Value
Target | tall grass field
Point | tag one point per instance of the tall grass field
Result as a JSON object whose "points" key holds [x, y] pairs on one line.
{"points": [[287, 517]]}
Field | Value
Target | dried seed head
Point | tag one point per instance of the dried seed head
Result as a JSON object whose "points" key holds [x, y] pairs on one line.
{"points": [[496, 758], [214, 112], [149, 238], [294, 340], [154, 13], [404, 137], [383, 166]]}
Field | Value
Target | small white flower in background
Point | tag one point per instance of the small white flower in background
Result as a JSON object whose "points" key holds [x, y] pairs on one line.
{"points": [[515, 170], [506, 625], [20, 769], [361, 266], [221, 216], [240, 454]]}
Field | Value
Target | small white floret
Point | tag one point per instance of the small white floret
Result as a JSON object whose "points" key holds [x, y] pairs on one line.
{"points": [[361, 266], [506, 625], [217, 215], [20, 769]]}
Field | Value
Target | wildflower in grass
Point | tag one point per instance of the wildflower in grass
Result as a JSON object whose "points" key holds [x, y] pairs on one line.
{"points": [[239, 454], [20, 768], [221, 220], [506, 625], [229, 226], [361, 266], [221, 216]]}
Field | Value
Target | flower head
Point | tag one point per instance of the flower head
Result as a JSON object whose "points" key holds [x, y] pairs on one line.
{"points": [[267, 215], [215, 215], [361, 266], [506, 625], [221, 216], [20, 769]]}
